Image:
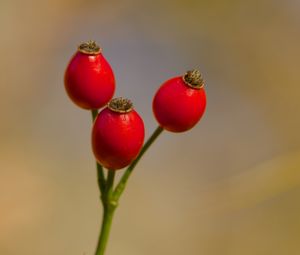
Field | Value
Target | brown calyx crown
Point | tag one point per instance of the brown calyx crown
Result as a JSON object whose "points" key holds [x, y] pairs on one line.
{"points": [[120, 104], [89, 47], [193, 79]]}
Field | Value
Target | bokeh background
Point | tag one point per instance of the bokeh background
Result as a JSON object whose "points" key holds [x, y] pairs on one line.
{"points": [[230, 186]]}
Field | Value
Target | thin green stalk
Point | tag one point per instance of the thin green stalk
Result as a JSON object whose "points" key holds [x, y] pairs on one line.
{"points": [[108, 211], [110, 196], [122, 183], [105, 230], [94, 114], [100, 173], [109, 184]]}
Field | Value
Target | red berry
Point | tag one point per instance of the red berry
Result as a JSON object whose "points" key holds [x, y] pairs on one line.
{"points": [[89, 79], [180, 102], [117, 135]]}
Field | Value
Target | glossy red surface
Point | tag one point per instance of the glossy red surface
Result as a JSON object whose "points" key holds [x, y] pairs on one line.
{"points": [[89, 80], [117, 138], [178, 107]]}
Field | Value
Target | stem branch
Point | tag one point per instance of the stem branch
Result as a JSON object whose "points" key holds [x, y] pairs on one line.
{"points": [[109, 196], [122, 183], [109, 207], [100, 173]]}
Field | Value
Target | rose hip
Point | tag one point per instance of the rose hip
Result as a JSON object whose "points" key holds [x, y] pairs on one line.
{"points": [[117, 135], [180, 102], [89, 79]]}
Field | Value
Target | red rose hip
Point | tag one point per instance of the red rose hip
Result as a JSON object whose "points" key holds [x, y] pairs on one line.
{"points": [[180, 102], [117, 135], [89, 79]]}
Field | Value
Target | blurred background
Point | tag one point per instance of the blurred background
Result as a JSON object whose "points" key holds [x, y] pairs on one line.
{"points": [[230, 186]]}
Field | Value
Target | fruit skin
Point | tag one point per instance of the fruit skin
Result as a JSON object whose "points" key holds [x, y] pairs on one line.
{"points": [[89, 80], [177, 106], [117, 138]]}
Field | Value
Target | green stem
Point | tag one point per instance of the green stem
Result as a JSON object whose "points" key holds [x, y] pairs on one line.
{"points": [[110, 196], [94, 114], [122, 184], [109, 206], [105, 229], [109, 184], [100, 173]]}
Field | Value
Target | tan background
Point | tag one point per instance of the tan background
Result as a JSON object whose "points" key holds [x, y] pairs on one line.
{"points": [[230, 186]]}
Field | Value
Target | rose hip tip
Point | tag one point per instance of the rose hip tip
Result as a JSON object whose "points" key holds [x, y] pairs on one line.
{"points": [[89, 47], [120, 104], [193, 78]]}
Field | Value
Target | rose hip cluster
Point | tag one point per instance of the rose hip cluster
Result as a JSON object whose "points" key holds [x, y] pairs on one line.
{"points": [[118, 130]]}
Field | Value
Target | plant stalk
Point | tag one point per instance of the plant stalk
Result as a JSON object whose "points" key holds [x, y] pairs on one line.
{"points": [[109, 206], [122, 184], [111, 196], [100, 172], [105, 230]]}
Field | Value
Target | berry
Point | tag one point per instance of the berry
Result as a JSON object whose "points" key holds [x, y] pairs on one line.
{"points": [[89, 79], [180, 102], [117, 135]]}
